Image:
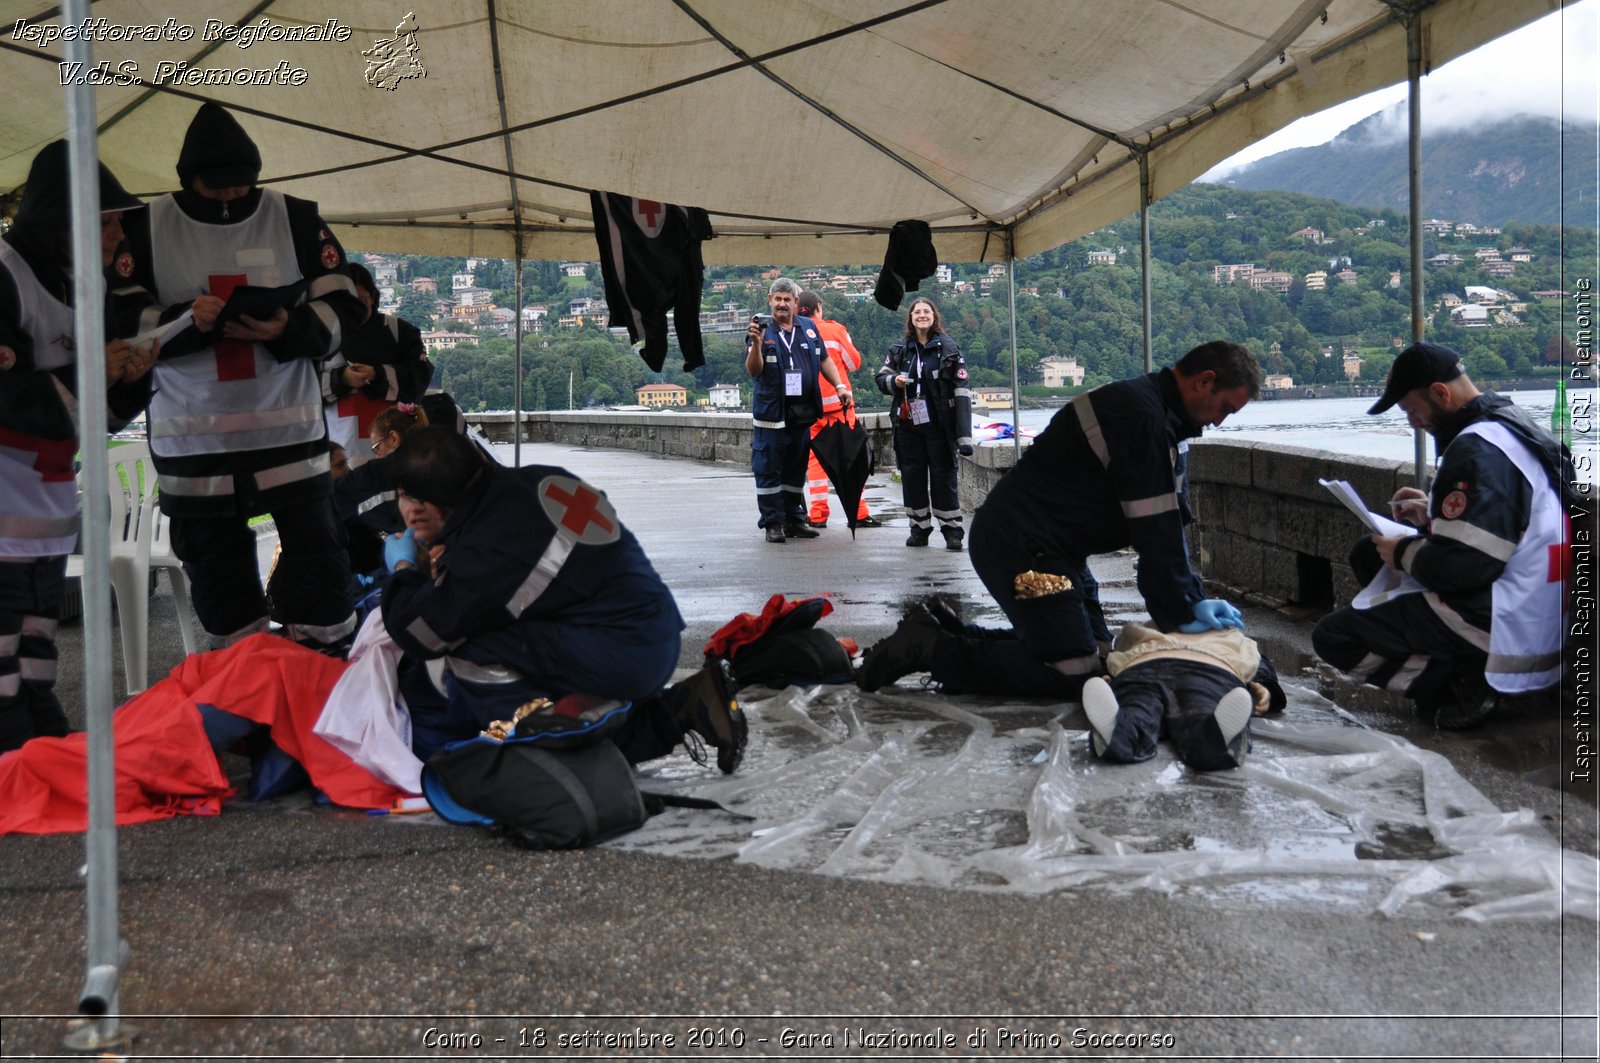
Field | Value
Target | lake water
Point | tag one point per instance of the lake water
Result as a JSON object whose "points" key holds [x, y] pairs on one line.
{"points": [[1340, 425]]}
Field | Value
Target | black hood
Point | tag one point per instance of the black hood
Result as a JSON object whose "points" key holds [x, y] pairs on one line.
{"points": [[41, 232], [47, 198], [217, 150]]}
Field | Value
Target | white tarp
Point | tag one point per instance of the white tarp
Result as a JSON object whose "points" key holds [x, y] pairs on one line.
{"points": [[910, 786], [806, 127]]}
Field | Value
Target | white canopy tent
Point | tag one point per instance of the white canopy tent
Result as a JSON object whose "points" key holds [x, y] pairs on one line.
{"points": [[806, 128]]}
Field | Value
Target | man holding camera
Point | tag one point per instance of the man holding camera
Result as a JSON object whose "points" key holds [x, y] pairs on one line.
{"points": [[784, 355]]}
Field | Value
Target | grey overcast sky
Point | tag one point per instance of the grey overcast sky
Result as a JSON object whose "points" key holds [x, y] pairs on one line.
{"points": [[1548, 67]]}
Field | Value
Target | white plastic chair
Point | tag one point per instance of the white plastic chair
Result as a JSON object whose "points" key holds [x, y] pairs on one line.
{"points": [[138, 543]]}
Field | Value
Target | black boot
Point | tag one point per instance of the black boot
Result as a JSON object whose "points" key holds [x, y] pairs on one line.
{"points": [[704, 704], [918, 536], [946, 615], [952, 536], [909, 649], [1472, 703]]}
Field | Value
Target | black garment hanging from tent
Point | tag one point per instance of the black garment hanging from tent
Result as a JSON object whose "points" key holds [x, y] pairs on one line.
{"points": [[650, 257], [842, 451], [910, 258]]}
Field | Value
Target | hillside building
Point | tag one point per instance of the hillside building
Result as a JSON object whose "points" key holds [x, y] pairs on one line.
{"points": [[1271, 280], [443, 341], [659, 396], [1061, 372]]}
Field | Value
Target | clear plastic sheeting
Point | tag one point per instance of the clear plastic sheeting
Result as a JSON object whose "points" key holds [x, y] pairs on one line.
{"points": [[911, 786]]}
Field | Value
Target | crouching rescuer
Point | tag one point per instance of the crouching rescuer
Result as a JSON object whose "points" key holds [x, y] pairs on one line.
{"points": [[524, 584]]}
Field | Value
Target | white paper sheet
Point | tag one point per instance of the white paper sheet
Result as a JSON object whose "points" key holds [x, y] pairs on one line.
{"points": [[1382, 525], [164, 333]]}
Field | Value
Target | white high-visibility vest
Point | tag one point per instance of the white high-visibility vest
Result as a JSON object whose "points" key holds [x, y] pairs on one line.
{"points": [[1528, 617], [40, 515], [231, 396]]}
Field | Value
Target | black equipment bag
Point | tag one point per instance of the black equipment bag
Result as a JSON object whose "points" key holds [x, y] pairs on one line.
{"points": [[794, 655], [540, 798]]}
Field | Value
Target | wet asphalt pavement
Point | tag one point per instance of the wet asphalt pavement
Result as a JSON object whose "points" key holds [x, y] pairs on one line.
{"points": [[286, 931]]}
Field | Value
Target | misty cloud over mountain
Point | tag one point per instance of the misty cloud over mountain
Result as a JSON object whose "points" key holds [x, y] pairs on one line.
{"points": [[1524, 168]]}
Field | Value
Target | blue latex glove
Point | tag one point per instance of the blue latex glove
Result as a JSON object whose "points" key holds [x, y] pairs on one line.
{"points": [[1213, 614], [400, 550]]}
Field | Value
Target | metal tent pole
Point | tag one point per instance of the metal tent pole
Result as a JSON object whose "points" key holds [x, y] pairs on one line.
{"points": [[1016, 390], [99, 997], [1413, 23], [516, 438], [1144, 255]]}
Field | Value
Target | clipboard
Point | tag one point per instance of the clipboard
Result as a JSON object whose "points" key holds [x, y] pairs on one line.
{"points": [[248, 300]]}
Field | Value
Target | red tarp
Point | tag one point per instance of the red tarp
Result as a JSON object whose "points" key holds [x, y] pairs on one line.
{"points": [[164, 763]]}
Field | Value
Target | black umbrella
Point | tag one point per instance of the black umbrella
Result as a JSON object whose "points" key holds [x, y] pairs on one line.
{"points": [[842, 451]]}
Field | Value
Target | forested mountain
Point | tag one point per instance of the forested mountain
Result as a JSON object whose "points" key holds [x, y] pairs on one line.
{"points": [[1522, 169], [1067, 307]]}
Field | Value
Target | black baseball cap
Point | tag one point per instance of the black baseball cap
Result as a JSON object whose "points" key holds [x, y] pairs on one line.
{"points": [[1418, 366]]}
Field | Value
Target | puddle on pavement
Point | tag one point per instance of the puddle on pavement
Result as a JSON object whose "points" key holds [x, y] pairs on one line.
{"points": [[910, 786]]}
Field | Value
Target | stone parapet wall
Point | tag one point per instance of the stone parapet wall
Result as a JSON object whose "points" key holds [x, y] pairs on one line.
{"points": [[975, 476], [1264, 524], [701, 436]]}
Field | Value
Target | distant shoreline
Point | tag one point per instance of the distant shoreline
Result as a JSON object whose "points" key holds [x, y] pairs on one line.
{"points": [[1312, 391]]}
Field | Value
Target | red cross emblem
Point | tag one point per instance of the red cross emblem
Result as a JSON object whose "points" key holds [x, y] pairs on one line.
{"points": [[579, 511], [52, 459], [364, 409], [236, 359], [1559, 567], [649, 215]]}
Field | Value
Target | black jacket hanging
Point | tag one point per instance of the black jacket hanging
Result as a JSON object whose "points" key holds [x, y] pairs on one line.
{"points": [[650, 258], [910, 258]]}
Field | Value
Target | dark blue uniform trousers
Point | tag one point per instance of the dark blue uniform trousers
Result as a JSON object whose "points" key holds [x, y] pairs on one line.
{"points": [[30, 606], [1174, 698], [1377, 645], [927, 460], [553, 660], [778, 457], [1059, 627]]}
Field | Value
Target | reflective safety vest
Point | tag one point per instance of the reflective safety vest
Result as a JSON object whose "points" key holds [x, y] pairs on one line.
{"points": [[846, 359], [40, 514], [350, 416], [234, 395], [1527, 615], [1529, 610]]}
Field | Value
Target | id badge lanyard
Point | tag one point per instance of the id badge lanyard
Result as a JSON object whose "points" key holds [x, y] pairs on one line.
{"points": [[793, 385], [916, 407]]}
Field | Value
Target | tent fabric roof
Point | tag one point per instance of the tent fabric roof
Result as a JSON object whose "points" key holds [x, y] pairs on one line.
{"points": [[805, 127]]}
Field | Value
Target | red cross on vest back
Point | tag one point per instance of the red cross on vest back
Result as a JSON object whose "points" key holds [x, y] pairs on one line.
{"points": [[364, 408], [582, 509], [648, 209], [1560, 566], [236, 359], [52, 458]]}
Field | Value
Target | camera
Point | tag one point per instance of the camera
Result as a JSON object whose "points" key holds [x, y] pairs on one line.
{"points": [[764, 320]]}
